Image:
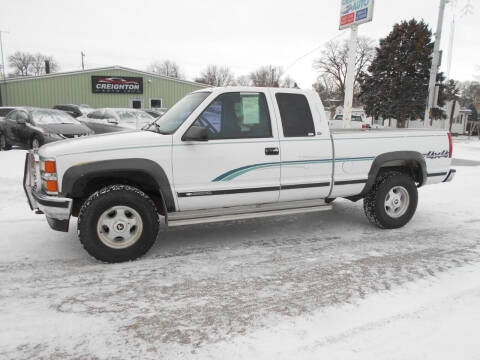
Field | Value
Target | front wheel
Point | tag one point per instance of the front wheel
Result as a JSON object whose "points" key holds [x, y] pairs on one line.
{"points": [[36, 143], [392, 201], [3, 143], [118, 223]]}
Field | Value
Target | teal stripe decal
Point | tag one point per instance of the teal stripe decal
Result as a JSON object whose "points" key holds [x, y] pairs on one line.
{"points": [[232, 174]]}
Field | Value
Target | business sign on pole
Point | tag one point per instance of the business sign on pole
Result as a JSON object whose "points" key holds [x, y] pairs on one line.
{"points": [[355, 12], [117, 85]]}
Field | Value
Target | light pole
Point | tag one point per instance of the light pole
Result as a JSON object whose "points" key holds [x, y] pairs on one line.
{"points": [[3, 66], [435, 62], [350, 78]]}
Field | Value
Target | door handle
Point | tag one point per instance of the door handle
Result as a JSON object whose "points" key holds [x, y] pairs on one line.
{"points": [[272, 151]]}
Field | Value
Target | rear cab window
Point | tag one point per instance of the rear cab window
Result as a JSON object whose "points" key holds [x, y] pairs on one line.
{"points": [[296, 116]]}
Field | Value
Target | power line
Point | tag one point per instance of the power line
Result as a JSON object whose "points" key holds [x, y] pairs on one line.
{"points": [[292, 64]]}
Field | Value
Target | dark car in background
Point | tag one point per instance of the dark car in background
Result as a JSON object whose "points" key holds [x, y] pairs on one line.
{"points": [[75, 110], [32, 127], [116, 119], [4, 111]]}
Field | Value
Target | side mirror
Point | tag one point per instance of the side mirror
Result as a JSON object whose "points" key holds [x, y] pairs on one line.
{"points": [[112, 121], [21, 121], [196, 133]]}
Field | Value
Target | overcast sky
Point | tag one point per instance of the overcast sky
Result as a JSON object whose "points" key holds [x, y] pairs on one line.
{"points": [[242, 34]]}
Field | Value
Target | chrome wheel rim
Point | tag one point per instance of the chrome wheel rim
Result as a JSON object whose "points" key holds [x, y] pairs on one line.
{"points": [[119, 227], [397, 202]]}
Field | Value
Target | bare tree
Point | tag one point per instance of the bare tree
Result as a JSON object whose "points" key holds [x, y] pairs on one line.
{"points": [[215, 75], [333, 61], [288, 82], [166, 68], [39, 64], [266, 76], [327, 90], [21, 62], [243, 80], [25, 64]]}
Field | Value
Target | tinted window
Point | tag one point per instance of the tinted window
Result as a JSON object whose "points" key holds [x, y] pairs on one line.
{"points": [[96, 115], [4, 112], [237, 115], [296, 115]]}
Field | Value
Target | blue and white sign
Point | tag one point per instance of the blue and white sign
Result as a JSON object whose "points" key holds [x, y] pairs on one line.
{"points": [[355, 12]]}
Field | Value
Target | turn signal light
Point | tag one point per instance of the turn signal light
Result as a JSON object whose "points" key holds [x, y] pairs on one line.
{"points": [[52, 186], [50, 167]]}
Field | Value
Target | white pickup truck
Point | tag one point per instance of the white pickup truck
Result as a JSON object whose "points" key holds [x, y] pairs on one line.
{"points": [[224, 154]]}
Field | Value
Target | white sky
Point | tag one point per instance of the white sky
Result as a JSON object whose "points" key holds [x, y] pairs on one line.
{"points": [[243, 34]]}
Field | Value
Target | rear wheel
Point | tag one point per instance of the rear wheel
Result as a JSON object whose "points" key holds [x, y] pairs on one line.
{"points": [[392, 201], [118, 223]]}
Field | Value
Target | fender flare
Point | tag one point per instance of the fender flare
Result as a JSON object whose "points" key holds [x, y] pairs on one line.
{"points": [[396, 158], [76, 177]]}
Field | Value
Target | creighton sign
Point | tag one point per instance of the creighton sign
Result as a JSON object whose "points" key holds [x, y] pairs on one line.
{"points": [[355, 12]]}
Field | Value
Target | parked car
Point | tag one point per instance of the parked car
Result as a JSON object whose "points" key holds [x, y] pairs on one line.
{"points": [[75, 110], [112, 120], [358, 122], [32, 127], [226, 154]]}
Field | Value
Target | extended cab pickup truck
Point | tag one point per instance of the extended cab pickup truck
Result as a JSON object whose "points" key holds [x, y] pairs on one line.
{"points": [[224, 154]]}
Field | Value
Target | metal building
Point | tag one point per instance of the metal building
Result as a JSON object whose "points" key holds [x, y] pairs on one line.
{"points": [[113, 86]]}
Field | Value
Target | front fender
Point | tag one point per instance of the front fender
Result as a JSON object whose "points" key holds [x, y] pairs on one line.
{"points": [[77, 177]]}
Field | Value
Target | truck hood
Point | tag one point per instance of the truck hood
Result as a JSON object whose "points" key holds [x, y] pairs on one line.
{"points": [[104, 142]]}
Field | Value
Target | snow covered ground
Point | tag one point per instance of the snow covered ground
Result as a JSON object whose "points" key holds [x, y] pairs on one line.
{"points": [[313, 286]]}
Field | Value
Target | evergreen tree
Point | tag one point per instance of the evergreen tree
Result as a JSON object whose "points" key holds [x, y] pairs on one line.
{"points": [[397, 83]]}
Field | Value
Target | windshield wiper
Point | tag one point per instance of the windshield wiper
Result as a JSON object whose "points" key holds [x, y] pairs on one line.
{"points": [[157, 128]]}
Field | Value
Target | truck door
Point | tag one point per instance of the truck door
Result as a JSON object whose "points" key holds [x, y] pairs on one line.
{"points": [[240, 162], [305, 146]]}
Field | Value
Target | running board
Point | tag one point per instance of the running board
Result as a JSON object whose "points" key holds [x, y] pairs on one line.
{"points": [[246, 212]]}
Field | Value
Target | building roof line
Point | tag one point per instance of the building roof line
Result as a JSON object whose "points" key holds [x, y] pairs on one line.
{"points": [[115, 67]]}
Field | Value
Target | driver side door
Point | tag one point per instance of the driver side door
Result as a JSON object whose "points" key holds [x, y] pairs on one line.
{"points": [[240, 162]]}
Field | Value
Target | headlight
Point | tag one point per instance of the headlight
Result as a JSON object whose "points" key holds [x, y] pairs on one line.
{"points": [[55, 136], [48, 171]]}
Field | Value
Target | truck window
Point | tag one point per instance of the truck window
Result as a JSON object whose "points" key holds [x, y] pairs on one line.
{"points": [[237, 115], [296, 116]]}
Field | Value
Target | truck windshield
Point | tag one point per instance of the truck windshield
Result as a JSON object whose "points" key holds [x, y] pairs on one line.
{"points": [[179, 112]]}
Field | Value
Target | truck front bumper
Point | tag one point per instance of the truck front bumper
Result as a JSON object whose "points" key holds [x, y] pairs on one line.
{"points": [[57, 209], [450, 176]]}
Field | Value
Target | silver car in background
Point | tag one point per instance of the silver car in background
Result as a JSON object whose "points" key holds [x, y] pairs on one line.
{"points": [[115, 119]]}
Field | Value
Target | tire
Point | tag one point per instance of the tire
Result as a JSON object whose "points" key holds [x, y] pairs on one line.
{"points": [[36, 142], [102, 214], [392, 202], [4, 146]]}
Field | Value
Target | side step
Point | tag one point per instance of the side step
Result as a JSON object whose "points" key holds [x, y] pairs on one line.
{"points": [[246, 212]]}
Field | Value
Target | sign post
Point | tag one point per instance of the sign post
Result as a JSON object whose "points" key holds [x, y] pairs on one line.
{"points": [[352, 14]]}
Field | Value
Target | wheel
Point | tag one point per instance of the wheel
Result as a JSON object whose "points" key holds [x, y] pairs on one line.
{"points": [[392, 201], [3, 143], [118, 223], [36, 142]]}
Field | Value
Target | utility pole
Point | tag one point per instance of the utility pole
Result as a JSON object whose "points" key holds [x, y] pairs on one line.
{"points": [[350, 78], [435, 62], [83, 56], [3, 67]]}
